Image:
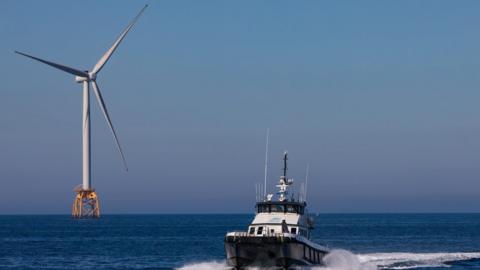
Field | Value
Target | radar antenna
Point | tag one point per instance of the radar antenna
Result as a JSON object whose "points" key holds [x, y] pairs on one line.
{"points": [[266, 165], [284, 182]]}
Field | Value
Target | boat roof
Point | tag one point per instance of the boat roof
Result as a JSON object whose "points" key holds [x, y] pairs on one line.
{"points": [[282, 203]]}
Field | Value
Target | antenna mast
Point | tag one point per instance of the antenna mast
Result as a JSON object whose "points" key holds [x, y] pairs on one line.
{"points": [[266, 165], [306, 181], [284, 183]]}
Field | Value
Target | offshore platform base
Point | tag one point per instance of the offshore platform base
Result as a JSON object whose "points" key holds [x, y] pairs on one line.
{"points": [[86, 204]]}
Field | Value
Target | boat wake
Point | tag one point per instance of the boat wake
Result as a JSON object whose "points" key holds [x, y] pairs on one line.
{"points": [[345, 260], [400, 260], [214, 265]]}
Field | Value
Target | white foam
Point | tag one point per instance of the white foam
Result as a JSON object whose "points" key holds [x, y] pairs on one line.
{"points": [[214, 265], [345, 260], [404, 260]]}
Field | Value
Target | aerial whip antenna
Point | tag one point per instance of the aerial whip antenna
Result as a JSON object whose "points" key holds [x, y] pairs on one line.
{"points": [[306, 181], [266, 165]]}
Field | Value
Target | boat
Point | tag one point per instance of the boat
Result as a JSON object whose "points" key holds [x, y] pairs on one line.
{"points": [[279, 235]]}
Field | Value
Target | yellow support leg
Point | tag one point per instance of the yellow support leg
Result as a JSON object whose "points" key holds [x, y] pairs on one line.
{"points": [[86, 204]]}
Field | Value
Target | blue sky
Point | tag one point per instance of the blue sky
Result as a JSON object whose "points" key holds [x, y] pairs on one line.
{"points": [[380, 97]]}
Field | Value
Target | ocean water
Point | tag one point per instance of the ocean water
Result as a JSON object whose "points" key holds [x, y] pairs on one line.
{"points": [[359, 241]]}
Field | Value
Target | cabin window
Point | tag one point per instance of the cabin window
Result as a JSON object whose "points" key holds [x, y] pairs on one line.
{"points": [[260, 230], [293, 230], [277, 208], [252, 230], [262, 208], [272, 231], [291, 209]]}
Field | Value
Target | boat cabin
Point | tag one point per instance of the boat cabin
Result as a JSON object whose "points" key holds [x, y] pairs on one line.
{"points": [[281, 207], [282, 216], [279, 217]]}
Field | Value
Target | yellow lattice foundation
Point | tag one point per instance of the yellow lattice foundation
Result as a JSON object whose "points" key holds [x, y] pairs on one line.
{"points": [[86, 204]]}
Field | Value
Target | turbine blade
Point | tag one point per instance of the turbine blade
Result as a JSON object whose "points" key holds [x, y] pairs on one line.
{"points": [[112, 49], [96, 89], [55, 65]]}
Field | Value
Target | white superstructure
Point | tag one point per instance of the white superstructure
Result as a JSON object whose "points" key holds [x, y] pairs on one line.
{"points": [[279, 235], [284, 215]]}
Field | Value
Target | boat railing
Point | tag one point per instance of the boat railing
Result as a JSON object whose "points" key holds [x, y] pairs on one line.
{"points": [[267, 234]]}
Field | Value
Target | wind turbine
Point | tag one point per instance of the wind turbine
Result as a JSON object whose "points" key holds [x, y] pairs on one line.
{"points": [[86, 202]]}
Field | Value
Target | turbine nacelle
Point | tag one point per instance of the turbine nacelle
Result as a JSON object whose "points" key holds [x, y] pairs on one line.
{"points": [[91, 77], [80, 79]]}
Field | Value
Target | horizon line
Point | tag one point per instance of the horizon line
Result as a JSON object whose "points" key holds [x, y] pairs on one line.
{"points": [[241, 213]]}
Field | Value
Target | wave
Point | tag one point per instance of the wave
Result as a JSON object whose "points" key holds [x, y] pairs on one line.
{"points": [[345, 260], [214, 265], [403, 260]]}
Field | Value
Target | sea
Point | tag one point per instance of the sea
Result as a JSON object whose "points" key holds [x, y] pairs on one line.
{"points": [[357, 241]]}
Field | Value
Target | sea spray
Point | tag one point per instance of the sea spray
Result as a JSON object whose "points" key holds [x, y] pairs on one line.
{"points": [[345, 260], [213, 265], [406, 260], [340, 259]]}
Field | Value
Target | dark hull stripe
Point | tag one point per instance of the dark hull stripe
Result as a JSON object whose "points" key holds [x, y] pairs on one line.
{"points": [[270, 252]]}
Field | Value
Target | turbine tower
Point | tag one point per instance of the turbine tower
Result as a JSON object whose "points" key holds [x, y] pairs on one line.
{"points": [[86, 203]]}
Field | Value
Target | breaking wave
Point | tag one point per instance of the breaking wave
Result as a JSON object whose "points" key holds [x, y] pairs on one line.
{"points": [[401, 260], [345, 260], [205, 266]]}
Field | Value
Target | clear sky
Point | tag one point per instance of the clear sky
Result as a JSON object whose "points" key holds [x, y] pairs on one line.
{"points": [[380, 97]]}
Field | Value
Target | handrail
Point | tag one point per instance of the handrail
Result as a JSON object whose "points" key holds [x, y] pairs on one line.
{"points": [[265, 233]]}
